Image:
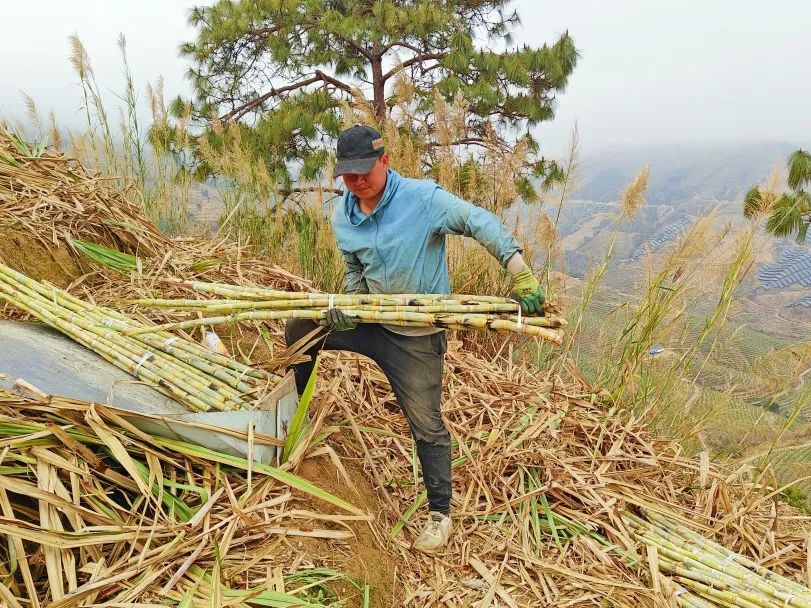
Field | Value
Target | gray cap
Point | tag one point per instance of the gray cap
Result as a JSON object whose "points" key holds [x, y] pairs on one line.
{"points": [[359, 147]]}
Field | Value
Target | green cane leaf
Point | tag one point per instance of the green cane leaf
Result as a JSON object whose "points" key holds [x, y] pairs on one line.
{"points": [[299, 427]]}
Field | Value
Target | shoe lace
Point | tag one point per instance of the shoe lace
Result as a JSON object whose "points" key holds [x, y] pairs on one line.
{"points": [[433, 527]]}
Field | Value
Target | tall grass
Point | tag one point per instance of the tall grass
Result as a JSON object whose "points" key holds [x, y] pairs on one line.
{"points": [[682, 301], [148, 165], [632, 198]]}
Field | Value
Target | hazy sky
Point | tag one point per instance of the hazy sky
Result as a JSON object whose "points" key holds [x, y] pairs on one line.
{"points": [[651, 71]]}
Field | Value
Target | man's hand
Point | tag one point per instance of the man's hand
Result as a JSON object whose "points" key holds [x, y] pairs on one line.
{"points": [[338, 321], [528, 292]]}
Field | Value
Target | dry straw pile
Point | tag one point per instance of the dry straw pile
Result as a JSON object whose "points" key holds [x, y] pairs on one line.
{"points": [[555, 501], [97, 513], [549, 485], [51, 197], [55, 198]]}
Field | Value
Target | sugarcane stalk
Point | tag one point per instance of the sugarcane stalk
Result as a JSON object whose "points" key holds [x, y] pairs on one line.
{"points": [[723, 571], [452, 311], [239, 292], [235, 368], [193, 362], [239, 305], [729, 560], [716, 594], [126, 364], [234, 306], [685, 598], [213, 307], [200, 393], [134, 350], [695, 571], [132, 358], [103, 314], [51, 292], [450, 321], [689, 556], [708, 545]]}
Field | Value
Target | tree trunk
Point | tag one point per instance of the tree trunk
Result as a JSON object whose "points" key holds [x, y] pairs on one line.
{"points": [[378, 84]]}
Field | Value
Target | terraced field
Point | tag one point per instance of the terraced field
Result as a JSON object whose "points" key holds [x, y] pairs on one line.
{"points": [[725, 378], [798, 401], [731, 409], [662, 238], [791, 272], [793, 268], [804, 302], [753, 343], [790, 464]]}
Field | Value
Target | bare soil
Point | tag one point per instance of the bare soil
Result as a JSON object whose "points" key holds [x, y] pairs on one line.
{"points": [[362, 557], [39, 260]]}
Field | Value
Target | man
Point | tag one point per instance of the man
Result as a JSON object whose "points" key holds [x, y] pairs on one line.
{"points": [[391, 232]]}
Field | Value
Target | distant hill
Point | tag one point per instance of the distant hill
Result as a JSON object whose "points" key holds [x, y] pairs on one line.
{"points": [[685, 182], [680, 172]]}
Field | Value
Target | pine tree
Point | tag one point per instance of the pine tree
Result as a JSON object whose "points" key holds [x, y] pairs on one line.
{"points": [[280, 70], [789, 213]]}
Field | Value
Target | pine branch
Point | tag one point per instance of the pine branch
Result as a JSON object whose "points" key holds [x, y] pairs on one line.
{"points": [[333, 81], [254, 34], [357, 47], [403, 44], [466, 141], [411, 61], [239, 112], [287, 193]]}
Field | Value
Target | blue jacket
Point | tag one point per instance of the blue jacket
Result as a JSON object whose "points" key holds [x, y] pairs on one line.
{"points": [[400, 246]]}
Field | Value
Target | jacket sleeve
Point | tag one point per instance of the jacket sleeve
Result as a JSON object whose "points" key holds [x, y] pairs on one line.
{"points": [[452, 215], [353, 278]]}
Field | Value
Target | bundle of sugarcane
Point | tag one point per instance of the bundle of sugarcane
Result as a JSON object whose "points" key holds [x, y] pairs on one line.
{"points": [[193, 375], [710, 575], [411, 310]]}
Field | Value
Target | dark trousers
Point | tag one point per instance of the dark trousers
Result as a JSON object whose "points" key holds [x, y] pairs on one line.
{"points": [[413, 366]]}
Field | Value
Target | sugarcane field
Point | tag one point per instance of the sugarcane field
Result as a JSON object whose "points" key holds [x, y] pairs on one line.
{"points": [[378, 303]]}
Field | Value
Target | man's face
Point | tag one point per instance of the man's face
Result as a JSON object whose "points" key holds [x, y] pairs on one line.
{"points": [[369, 185]]}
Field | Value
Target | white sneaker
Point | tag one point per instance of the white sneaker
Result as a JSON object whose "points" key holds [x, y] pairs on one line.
{"points": [[435, 534]]}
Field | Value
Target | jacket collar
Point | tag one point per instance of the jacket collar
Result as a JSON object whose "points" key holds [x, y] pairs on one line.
{"points": [[350, 201]]}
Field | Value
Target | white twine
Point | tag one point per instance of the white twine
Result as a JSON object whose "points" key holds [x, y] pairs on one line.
{"points": [[171, 339], [114, 323], [242, 374], [331, 303], [680, 591], [518, 324], [147, 356]]}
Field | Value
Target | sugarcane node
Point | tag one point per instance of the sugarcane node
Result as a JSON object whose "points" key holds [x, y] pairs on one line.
{"points": [[551, 308]]}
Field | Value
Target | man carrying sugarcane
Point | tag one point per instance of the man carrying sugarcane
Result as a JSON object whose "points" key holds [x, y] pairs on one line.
{"points": [[391, 232]]}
